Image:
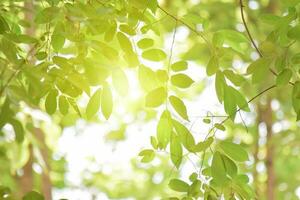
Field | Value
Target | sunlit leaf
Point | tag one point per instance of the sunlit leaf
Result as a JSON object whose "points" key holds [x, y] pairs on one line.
{"points": [[179, 106], [175, 150], [181, 80], [147, 155], [106, 102], [234, 151], [185, 135], [94, 104], [120, 81], [51, 102], [179, 66], [63, 105], [178, 185], [145, 43], [156, 97], [154, 55], [164, 129], [218, 170]]}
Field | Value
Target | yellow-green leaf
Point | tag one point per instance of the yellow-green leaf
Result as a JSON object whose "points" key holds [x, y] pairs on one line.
{"points": [[156, 97], [106, 102], [181, 80], [94, 104], [179, 106]]}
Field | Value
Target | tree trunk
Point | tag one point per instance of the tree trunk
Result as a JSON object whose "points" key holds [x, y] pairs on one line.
{"points": [[267, 119]]}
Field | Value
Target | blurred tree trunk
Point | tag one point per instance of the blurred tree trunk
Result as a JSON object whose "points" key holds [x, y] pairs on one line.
{"points": [[256, 151], [26, 181], [266, 117], [46, 182]]}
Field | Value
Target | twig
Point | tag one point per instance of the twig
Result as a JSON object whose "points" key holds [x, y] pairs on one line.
{"points": [[187, 25], [252, 40]]}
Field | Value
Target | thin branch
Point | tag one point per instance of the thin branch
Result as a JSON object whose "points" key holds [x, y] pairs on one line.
{"points": [[187, 25], [20, 66], [252, 40], [238, 110]]}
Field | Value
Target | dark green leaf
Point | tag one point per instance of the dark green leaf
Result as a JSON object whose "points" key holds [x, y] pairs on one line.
{"points": [[33, 195]]}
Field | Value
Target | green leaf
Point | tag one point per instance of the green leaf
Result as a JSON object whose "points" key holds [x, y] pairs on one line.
{"points": [[147, 78], [234, 151], [234, 78], [19, 130], [164, 129], [33, 195], [259, 69], [79, 81], [41, 55], [147, 155], [178, 185], [106, 102], [154, 142], [218, 170], [185, 135], [202, 146], [57, 42], [94, 104], [51, 102], [156, 97], [4, 27], [154, 55], [230, 166], [229, 102], [145, 43], [296, 99], [195, 189], [162, 75], [63, 105], [179, 106], [240, 100], [120, 81], [220, 85], [175, 150], [284, 77], [193, 177], [212, 66], [72, 102], [179, 66], [181, 80], [47, 15], [124, 42], [232, 38], [220, 126], [294, 33]]}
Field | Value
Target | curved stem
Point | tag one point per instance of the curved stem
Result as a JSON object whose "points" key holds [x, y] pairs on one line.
{"points": [[252, 40]]}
